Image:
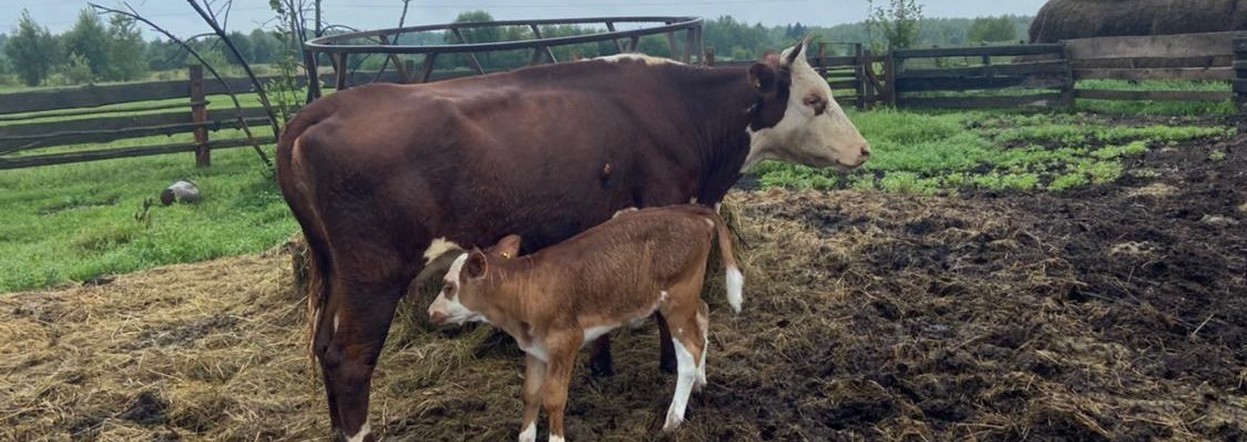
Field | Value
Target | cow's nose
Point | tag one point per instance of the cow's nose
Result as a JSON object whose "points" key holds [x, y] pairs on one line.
{"points": [[438, 317], [865, 151]]}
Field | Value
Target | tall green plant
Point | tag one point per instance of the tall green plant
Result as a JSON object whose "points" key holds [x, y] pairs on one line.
{"points": [[284, 92], [894, 23]]}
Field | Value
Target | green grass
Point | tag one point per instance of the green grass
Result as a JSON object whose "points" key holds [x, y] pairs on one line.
{"points": [[944, 152], [77, 221]]}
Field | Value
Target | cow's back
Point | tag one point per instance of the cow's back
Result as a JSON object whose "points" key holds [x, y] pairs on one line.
{"points": [[472, 161]]}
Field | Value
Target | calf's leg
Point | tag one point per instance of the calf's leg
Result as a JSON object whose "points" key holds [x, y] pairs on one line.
{"points": [[562, 350], [683, 310], [703, 322], [534, 377]]}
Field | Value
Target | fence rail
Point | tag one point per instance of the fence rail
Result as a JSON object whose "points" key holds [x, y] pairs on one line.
{"points": [[43, 119], [1036, 75]]}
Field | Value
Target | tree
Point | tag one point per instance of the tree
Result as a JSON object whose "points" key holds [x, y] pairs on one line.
{"points": [[243, 44], [125, 50], [31, 50], [4, 61], [90, 39], [896, 21], [485, 34], [77, 70], [990, 29], [265, 47]]}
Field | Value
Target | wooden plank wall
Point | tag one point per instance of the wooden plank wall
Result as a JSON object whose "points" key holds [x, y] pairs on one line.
{"points": [[1184, 57], [978, 77]]}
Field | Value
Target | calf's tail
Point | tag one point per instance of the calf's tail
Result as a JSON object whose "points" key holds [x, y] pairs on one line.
{"points": [[735, 282]]}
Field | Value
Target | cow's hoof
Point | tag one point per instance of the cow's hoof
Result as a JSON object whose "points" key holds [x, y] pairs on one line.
{"points": [[600, 370]]}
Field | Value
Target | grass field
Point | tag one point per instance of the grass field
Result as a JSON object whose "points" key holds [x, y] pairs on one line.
{"points": [[78, 221], [948, 152]]}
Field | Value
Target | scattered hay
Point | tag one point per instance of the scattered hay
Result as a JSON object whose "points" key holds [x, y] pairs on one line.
{"points": [[1132, 249], [867, 316], [1154, 190]]}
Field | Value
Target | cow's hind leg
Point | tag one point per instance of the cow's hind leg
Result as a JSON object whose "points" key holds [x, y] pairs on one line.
{"points": [[666, 347], [601, 364], [351, 331]]}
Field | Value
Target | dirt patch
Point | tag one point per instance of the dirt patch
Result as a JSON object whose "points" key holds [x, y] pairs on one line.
{"points": [[1108, 313]]}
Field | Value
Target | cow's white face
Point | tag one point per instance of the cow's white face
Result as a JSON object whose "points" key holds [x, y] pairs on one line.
{"points": [[814, 131]]}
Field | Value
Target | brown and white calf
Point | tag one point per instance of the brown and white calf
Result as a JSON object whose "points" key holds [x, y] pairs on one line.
{"points": [[552, 302]]}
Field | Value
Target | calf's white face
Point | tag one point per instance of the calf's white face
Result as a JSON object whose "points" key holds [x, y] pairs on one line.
{"points": [[814, 130], [449, 306]]}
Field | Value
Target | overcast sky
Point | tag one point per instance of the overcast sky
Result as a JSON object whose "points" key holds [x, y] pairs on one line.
{"points": [[176, 15]]}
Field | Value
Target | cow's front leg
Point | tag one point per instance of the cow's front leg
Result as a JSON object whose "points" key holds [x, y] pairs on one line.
{"points": [[349, 337]]}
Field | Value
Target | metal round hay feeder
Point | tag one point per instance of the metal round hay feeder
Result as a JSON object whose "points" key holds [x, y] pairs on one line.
{"points": [[342, 48]]}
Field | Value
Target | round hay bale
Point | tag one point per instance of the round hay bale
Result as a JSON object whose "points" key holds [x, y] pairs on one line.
{"points": [[1069, 19]]}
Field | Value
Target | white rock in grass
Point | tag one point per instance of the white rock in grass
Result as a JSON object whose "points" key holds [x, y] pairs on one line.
{"points": [[183, 191]]}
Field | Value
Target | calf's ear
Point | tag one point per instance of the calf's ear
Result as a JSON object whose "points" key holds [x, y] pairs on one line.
{"points": [[508, 247], [476, 265]]}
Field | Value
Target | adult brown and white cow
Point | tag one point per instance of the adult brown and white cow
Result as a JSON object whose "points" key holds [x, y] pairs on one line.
{"points": [[384, 179]]}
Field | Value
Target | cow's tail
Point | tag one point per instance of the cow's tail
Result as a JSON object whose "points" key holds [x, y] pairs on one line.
{"points": [[735, 280], [299, 192]]}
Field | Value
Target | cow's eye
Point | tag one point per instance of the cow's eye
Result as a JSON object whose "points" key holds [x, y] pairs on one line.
{"points": [[818, 102]]}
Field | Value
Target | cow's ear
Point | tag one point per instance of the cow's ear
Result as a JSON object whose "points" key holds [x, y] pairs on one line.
{"points": [[797, 51], [763, 78], [476, 265]]}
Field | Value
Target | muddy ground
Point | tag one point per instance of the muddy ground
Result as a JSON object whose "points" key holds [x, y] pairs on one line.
{"points": [[1114, 312]]}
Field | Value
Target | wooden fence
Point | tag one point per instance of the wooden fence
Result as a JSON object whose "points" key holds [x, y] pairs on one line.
{"points": [[1186, 57], [1033, 75], [31, 121]]}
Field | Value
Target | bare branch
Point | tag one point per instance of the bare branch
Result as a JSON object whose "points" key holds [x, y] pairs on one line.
{"points": [[394, 57], [255, 81], [237, 106]]}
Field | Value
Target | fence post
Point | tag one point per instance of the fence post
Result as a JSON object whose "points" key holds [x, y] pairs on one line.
{"points": [[822, 62], [889, 77], [860, 74], [199, 116], [1240, 73], [310, 70], [1068, 94]]}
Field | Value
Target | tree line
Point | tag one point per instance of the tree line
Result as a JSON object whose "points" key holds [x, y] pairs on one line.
{"points": [[97, 50]]}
